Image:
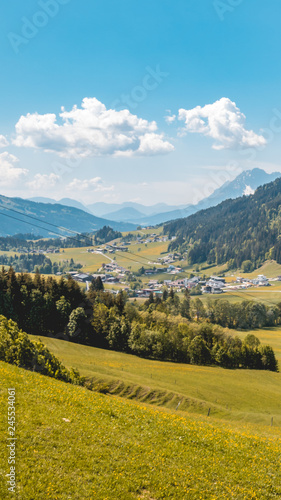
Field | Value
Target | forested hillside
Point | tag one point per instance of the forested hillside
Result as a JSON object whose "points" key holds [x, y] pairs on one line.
{"points": [[235, 231]]}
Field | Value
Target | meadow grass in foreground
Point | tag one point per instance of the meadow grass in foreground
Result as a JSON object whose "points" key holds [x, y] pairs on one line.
{"points": [[108, 448], [248, 395]]}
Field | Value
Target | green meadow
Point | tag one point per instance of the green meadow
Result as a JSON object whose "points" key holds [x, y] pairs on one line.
{"points": [[76, 444], [234, 395]]}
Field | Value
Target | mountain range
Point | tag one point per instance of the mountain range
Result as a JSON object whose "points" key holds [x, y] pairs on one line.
{"points": [[245, 183], [67, 202], [135, 213], [102, 209], [46, 219]]}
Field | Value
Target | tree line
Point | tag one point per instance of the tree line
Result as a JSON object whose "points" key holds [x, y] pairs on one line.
{"points": [[39, 305], [162, 329], [33, 262], [29, 242], [245, 315], [106, 234]]}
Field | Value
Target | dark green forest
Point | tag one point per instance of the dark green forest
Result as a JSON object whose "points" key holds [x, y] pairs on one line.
{"points": [[234, 232], [106, 234]]}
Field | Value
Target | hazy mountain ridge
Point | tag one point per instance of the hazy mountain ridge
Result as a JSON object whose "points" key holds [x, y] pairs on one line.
{"points": [[68, 202], [59, 215], [103, 209], [248, 181], [136, 213], [229, 190], [126, 214]]}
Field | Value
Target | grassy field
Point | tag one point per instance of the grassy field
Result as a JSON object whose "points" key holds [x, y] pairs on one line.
{"points": [[91, 262], [76, 444], [270, 268], [268, 295], [237, 395], [9, 253]]}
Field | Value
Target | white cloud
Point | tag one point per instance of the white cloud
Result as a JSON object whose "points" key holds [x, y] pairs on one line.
{"points": [[151, 144], [43, 181], [248, 190], [170, 119], [9, 174], [222, 121], [95, 184], [3, 142], [91, 130]]}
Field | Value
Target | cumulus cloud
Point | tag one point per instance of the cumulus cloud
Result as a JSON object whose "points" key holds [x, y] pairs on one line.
{"points": [[222, 121], [43, 181], [9, 173], [95, 184], [91, 130], [170, 119], [3, 142]]}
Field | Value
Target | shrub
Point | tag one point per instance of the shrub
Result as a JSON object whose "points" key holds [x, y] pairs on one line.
{"points": [[17, 349]]}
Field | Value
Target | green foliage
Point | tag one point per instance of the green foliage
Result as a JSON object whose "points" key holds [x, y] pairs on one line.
{"points": [[268, 359], [64, 309], [247, 266], [29, 242], [251, 340], [17, 349], [185, 307], [198, 351], [39, 262], [106, 234], [196, 290], [161, 329], [244, 315], [118, 332], [37, 304], [77, 323], [96, 285], [198, 309]]}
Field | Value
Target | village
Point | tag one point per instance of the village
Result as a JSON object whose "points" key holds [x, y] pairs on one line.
{"points": [[112, 273]]}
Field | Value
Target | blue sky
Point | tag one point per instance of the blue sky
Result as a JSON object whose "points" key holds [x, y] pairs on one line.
{"points": [[135, 63]]}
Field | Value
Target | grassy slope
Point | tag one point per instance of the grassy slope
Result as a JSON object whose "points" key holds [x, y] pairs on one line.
{"points": [[267, 295], [117, 449], [247, 395], [270, 268]]}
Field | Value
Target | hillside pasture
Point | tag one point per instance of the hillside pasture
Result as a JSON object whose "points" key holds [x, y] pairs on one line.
{"points": [[76, 444], [246, 395]]}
